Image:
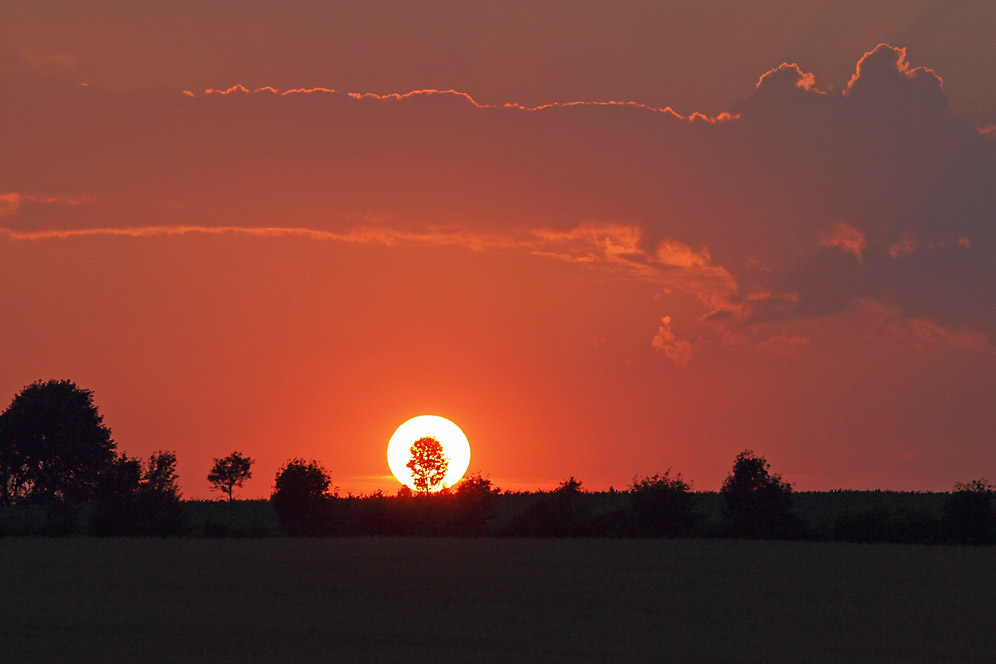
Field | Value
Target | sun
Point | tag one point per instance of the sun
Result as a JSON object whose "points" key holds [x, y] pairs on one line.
{"points": [[456, 447]]}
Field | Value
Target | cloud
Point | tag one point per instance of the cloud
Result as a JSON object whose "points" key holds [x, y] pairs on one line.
{"points": [[758, 214], [782, 346], [11, 202], [846, 238], [905, 246], [878, 170], [679, 351], [240, 89], [34, 62]]}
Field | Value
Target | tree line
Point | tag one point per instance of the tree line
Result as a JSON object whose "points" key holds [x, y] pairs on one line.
{"points": [[57, 456]]}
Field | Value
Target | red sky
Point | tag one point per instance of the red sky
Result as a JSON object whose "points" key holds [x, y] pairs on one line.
{"points": [[712, 251]]}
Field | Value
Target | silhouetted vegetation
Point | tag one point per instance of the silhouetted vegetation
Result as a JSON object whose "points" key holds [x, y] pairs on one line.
{"points": [[54, 446], [474, 503], [428, 465], [140, 500], [302, 499], [60, 474], [757, 503], [662, 506], [969, 517], [56, 453], [230, 472], [896, 525], [563, 512]]}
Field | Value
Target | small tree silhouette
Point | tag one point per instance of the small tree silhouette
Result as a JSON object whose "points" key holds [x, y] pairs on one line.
{"points": [[428, 465], [571, 486], [230, 472]]}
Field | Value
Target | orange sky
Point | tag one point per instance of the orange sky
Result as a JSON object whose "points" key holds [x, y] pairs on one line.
{"points": [[799, 259]]}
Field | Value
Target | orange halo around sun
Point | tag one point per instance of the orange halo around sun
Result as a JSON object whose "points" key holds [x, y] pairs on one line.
{"points": [[456, 447]]}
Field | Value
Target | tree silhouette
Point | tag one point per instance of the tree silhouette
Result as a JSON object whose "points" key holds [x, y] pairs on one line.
{"points": [[53, 445], [662, 505], [758, 503], [474, 499], [139, 499], [301, 497], [428, 465], [230, 472], [571, 486]]}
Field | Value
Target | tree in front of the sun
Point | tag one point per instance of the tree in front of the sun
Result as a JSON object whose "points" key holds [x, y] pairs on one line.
{"points": [[428, 464], [230, 472]]}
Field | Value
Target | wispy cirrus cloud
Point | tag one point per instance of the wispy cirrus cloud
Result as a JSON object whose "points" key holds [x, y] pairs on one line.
{"points": [[240, 89], [11, 202]]}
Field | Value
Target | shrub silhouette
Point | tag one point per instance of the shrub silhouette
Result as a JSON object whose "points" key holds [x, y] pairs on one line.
{"points": [[758, 504], [562, 512], [661, 506], [140, 500], [969, 517], [428, 465], [230, 472], [301, 498], [53, 445], [473, 504]]}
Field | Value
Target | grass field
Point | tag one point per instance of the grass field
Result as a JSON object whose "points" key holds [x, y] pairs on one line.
{"points": [[492, 600]]}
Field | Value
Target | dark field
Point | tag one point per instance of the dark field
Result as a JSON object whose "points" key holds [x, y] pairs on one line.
{"points": [[453, 600]]}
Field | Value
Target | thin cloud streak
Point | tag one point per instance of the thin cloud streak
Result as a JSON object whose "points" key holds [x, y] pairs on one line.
{"points": [[612, 247], [395, 96]]}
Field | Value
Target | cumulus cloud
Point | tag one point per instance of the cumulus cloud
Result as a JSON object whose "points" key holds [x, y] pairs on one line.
{"points": [[846, 238], [679, 351], [804, 200]]}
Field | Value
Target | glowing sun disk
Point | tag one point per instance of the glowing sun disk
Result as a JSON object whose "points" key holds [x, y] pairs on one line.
{"points": [[456, 447]]}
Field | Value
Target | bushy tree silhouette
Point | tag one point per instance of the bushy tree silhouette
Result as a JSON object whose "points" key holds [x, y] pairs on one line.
{"points": [[302, 498], [230, 472], [969, 517], [662, 505], [475, 498], [757, 503], [139, 499], [53, 445], [569, 487], [428, 465]]}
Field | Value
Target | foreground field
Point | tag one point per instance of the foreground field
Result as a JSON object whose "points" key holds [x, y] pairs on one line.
{"points": [[396, 599]]}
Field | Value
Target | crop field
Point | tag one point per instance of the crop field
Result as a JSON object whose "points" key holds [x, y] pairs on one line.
{"points": [[492, 600]]}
